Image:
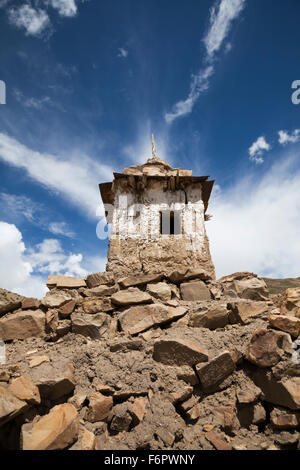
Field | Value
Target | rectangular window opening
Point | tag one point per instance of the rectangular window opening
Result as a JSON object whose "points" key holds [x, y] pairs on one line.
{"points": [[170, 223]]}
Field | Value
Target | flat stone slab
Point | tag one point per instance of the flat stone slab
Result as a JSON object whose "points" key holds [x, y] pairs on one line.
{"points": [[66, 282], [131, 296], [172, 351], [22, 325], [194, 291], [139, 280]]}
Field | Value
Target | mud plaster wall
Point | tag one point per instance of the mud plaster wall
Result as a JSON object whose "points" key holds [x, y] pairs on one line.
{"points": [[136, 244]]}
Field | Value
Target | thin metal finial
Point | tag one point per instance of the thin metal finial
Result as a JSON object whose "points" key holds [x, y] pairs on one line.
{"points": [[154, 154]]}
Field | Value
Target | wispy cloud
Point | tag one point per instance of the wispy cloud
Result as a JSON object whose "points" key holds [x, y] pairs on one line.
{"points": [[61, 228], [75, 177], [257, 149], [64, 7], [286, 138], [256, 221], [32, 102], [222, 14], [122, 52], [34, 21]]}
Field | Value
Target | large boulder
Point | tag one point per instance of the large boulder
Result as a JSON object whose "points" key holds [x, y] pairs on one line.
{"points": [[241, 312], [245, 286], [194, 291], [267, 347], [94, 326], [131, 296], [290, 303], [186, 274], [285, 323], [9, 301], [55, 300], [10, 405], [22, 325], [177, 351], [210, 315], [284, 392], [54, 431], [140, 318]]}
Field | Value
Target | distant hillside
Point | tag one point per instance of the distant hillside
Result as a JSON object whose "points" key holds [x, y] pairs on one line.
{"points": [[276, 286]]}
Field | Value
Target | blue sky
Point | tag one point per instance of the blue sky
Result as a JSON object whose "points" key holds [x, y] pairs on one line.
{"points": [[87, 82]]}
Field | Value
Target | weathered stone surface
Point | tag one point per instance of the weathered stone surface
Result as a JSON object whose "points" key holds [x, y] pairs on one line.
{"points": [[251, 414], [77, 400], [139, 409], [126, 345], [24, 389], [172, 351], [63, 328], [94, 326], [51, 321], [244, 285], [139, 280], [100, 407], [54, 431], [35, 361], [131, 296], [217, 441], [189, 274], [247, 392], [290, 304], [10, 405], [212, 373], [54, 380], [195, 290], [187, 374], [9, 301], [240, 312], [22, 324], [98, 279], [161, 291], [267, 347], [55, 300], [121, 418], [66, 309], [30, 304], [100, 291], [284, 392], [97, 305], [138, 319], [288, 324], [213, 316], [284, 419], [180, 392], [65, 282]]}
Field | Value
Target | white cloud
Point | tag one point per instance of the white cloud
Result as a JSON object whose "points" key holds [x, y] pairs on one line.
{"points": [[122, 52], [19, 206], [64, 7], [257, 149], [256, 224], [76, 178], [61, 228], [222, 15], [25, 271], [286, 138], [33, 21]]}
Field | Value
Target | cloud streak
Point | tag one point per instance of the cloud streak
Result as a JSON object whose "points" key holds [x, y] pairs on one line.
{"points": [[257, 149], [222, 14]]}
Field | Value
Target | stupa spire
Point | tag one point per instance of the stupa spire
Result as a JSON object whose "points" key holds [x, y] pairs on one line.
{"points": [[154, 154]]}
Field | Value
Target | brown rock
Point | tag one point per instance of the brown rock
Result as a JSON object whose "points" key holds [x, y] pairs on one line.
{"points": [[94, 326], [248, 393], [100, 291], [284, 419], [54, 380], [172, 351], [245, 285], [98, 279], [289, 324], [139, 409], [66, 309], [24, 389], [35, 361], [290, 304], [97, 305], [77, 400], [217, 441], [213, 316], [63, 328], [65, 282], [51, 321], [22, 325], [243, 311], [188, 274], [88, 440], [121, 418], [139, 280], [10, 406], [166, 436], [30, 304], [187, 374], [54, 431], [161, 291], [9, 301], [99, 408], [55, 300], [212, 373], [267, 347], [195, 290], [131, 296], [138, 319], [284, 392]]}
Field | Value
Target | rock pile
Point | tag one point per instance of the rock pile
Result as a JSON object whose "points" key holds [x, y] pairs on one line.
{"points": [[156, 361]]}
